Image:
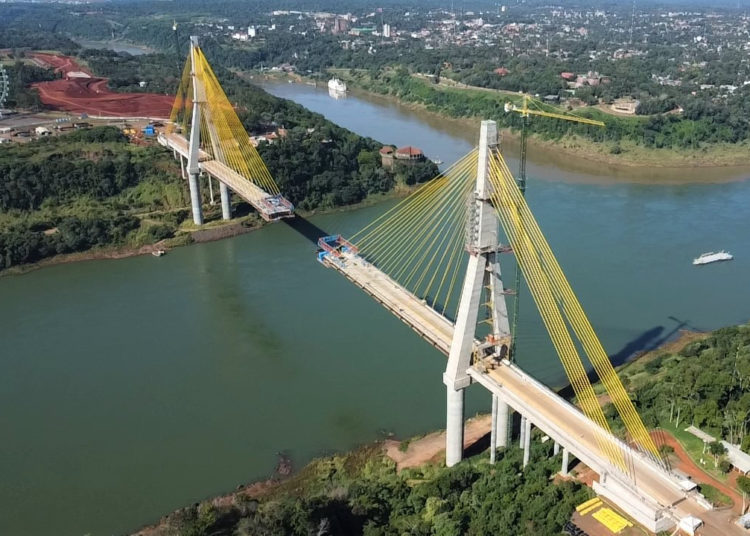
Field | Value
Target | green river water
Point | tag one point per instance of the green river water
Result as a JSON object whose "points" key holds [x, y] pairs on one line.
{"points": [[132, 387]]}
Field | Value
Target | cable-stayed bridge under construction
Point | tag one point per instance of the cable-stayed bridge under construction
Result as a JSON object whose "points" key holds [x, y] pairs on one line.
{"points": [[218, 145], [434, 261]]}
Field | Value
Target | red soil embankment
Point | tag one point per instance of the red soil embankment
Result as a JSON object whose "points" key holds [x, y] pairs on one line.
{"points": [[91, 95]]}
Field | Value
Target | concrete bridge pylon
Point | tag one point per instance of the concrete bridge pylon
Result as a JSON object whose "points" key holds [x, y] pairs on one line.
{"points": [[483, 272], [195, 139]]}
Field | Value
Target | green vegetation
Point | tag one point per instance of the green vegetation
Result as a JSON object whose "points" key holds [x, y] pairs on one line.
{"points": [[126, 72], [93, 189], [700, 124], [704, 384], [714, 496], [362, 493], [30, 35], [83, 190], [21, 76]]}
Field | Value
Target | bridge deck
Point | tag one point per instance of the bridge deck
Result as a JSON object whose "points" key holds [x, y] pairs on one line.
{"points": [[565, 422], [428, 323], [558, 418], [270, 207]]}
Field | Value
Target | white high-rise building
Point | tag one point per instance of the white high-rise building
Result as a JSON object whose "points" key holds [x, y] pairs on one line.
{"points": [[386, 30], [251, 31]]}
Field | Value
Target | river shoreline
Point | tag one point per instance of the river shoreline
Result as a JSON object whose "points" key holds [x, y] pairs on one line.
{"points": [[589, 154], [412, 452], [219, 231]]}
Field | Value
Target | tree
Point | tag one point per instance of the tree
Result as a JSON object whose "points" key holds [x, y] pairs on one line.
{"points": [[743, 483], [717, 449]]}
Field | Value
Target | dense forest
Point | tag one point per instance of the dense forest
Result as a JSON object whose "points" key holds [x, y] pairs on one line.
{"points": [[81, 190], [705, 384], [21, 76], [361, 493]]}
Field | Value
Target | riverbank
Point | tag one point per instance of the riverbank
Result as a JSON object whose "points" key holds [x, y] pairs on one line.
{"points": [[624, 155], [188, 235], [415, 458]]}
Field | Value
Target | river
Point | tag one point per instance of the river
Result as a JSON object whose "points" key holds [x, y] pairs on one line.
{"points": [[116, 46], [137, 386]]}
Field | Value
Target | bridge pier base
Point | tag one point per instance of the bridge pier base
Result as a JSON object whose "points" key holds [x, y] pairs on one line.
{"points": [[556, 449], [195, 199], [565, 461], [454, 430], [526, 442], [226, 206], [182, 165], [522, 432]]}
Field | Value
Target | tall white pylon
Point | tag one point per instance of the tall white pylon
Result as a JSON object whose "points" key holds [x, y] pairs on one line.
{"points": [[195, 139], [483, 271]]}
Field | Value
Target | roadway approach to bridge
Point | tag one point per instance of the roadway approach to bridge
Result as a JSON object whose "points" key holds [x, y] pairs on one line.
{"points": [[647, 492]]}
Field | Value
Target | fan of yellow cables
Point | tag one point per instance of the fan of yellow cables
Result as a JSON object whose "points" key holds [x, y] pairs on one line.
{"points": [[562, 312], [182, 108], [223, 136], [420, 241]]}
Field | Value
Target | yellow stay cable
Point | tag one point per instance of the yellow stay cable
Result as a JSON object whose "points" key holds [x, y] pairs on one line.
{"points": [[443, 210], [586, 335], [543, 295], [374, 227], [393, 235]]}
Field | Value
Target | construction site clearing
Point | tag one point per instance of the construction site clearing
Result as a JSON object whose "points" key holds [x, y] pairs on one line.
{"points": [[26, 127], [80, 91]]}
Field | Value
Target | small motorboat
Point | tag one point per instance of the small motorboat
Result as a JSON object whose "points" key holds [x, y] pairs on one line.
{"points": [[707, 258]]}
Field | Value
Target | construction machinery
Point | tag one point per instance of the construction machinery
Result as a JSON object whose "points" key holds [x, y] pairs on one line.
{"points": [[530, 106]]}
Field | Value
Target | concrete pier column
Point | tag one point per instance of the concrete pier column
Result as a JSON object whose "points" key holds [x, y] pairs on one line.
{"points": [[503, 414], [226, 207], [522, 432], [556, 449], [527, 443], [210, 189], [182, 165], [195, 199], [564, 468], [454, 430], [493, 429]]}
